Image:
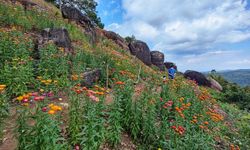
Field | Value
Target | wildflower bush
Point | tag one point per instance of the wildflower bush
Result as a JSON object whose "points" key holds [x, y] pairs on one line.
{"points": [[16, 62], [39, 129], [53, 68]]}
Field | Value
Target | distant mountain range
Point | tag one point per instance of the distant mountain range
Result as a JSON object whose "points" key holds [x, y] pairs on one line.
{"points": [[241, 76]]}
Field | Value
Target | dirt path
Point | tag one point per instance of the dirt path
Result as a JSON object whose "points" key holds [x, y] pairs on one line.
{"points": [[126, 144], [9, 140]]}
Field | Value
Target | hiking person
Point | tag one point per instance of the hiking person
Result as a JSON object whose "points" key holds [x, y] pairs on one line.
{"points": [[171, 72]]}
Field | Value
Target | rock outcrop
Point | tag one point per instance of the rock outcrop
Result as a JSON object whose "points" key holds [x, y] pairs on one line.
{"points": [[198, 77], [59, 36], [141, 51], [215, 85], [76, 15], [116, 38], [157, 59], [73, 13], [170, 64], [90, 77]]}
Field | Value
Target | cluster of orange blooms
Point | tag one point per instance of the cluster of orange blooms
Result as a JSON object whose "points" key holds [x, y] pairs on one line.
{"points": [[182, 108], [215, 116], [2, 87], [129, 74], [204, 125], [194, 120], [75, 77], [47, 82], [180, 129], [99, 90], [54, 109], [204, 95]]}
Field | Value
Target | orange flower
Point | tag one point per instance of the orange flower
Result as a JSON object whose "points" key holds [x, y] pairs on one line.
{"points": [[194, 121], [202, 127], [181, 99], [56, 108], [74, 77], [182, 115], [177, 108], [120, 83], [3, 86], [51, 112], [188, 104], [206, 123], [99, 93], [231, 147]]}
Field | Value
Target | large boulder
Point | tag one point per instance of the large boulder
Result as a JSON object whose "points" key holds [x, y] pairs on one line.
{"points": [[170, 64], [157, 59], [59, 36], [141, 51], [76, 15], [90, 77], [214, 84], [116, 38], [198, 77]]}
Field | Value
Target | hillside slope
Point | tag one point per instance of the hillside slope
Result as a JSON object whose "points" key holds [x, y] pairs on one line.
{"points": [[241, 77], [85, 95]]}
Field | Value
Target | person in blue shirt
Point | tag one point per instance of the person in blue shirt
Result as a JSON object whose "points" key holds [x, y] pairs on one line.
{"points": [[171, 72]]}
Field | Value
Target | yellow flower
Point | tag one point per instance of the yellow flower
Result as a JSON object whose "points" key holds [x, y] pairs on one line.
{"points": [[43, 81], [49, 81], [41, 90], [19, 98], [51, 105], [39, 77]]}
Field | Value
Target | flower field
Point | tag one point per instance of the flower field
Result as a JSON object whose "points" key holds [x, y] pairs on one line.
{"points": [[55, 112]]}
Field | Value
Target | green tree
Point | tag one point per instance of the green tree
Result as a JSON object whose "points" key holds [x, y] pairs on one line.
{"points": [[130, 39]]}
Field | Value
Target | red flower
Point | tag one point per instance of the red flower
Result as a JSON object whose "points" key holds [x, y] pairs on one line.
{"points": [[168, 104], [78, 91]]}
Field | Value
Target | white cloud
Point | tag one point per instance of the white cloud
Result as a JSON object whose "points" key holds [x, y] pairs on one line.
{"points": [[185, 24], [219, 60]]}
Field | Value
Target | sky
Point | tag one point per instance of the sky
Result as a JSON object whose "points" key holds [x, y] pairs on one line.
{"points": [[195, 34]]}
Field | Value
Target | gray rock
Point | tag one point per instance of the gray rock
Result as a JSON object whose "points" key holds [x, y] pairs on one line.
{"points": [[116, 38], [141, 51], [90, 77], [76, 15], [157, 59], [73, 13], [59, 36], [198, 77], [215, 85]]}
